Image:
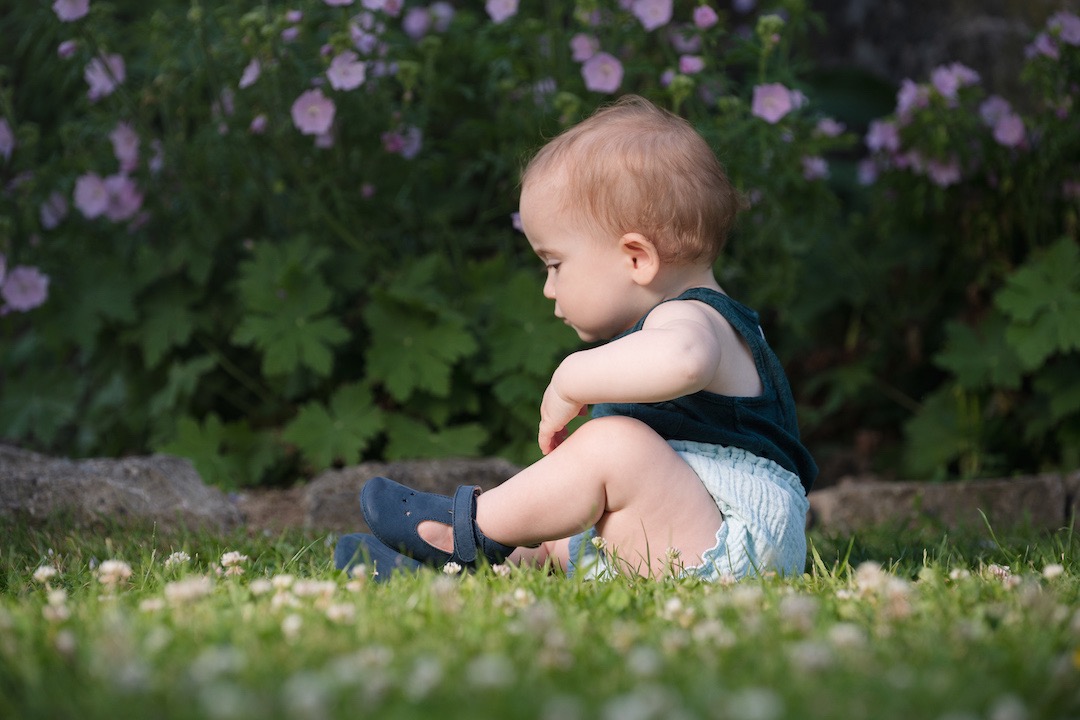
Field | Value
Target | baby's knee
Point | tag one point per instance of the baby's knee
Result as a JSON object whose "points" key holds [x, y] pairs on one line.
{"points": [[622, 436]]}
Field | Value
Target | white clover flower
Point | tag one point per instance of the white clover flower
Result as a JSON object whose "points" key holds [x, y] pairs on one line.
{"points": [[233, 558], [599, 543], [291, 626], [150, 605], [501, 570], [56, 610], [356, 584], [1053, 570], [451, 568], [260, 586], [282, 582], [284, 599], [360, 570], [45, 573], [188, 589], [113, 572], [490, 671], [177, 558], [341, 613], [959, 573], [314, 588]]}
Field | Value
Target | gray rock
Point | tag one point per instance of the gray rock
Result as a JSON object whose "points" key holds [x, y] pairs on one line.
{"points": [[332, 502], [1037, 502], [157, 489]]}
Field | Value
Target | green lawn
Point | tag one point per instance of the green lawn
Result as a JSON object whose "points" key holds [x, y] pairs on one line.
{"points": [[882, 626]]}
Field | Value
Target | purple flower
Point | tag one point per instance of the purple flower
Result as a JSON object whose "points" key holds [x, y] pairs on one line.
{"points": [[406, 144], [417, 22], [66, 49], [25, 288], [993, 109], [1066, 26], [53, 211], [666, 77], [124, 198], [883, 135], [705, 17], [367, 191], [684, 40], [691, 64], [290, 34], [515, 221], [814, 167], [867, 172], [338, 3], [71, 10], [91, 195], [602, 73], [313, 112], [501, 10], [7, 140], [771, 102], [157, 160], [393, 8], [258, 124], [948, 79], [346, 72], [583, 47], [827, 127], [325, 141], [1070, 190], [125, 142], [744, 6], [1009, 130], [251, 73], [103, 74], [294, 16], [3, 268], [1044, 45], [911, 97], [652, 13], [442, 13], [943, 173]]}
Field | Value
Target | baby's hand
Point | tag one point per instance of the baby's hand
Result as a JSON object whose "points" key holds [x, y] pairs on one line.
{"points": [[556, 412]]}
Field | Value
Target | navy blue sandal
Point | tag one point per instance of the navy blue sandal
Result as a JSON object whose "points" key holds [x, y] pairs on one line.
{"points": [[352, 550], [393, 512]]}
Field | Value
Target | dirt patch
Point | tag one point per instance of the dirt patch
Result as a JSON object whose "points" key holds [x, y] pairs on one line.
{"points": [[271, 509]]}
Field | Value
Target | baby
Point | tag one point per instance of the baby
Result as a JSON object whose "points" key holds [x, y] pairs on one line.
{"points": [[692, 460]]}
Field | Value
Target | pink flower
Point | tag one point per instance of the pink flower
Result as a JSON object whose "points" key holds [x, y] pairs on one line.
{"points": [[103, 74], [53, 211], [691, 64], [157, 160], [290, 34], [1066, 26], [91, 195], [883, 135], [993, 109], [501, 10], [393, 8], [124, 198], [515, 221], [66, 49], [338, 3], [943, 173], [652, 13], [583, 47], [258, 124], [313, 112], [406, 144], [294, 16], [684, 40], [346, 72], [251, 73], [25, 288], [705, 17], [7, 140], [602, 73], [828, 127], [911, 97], [367, 191], [771, 102], [125, 142], [71, 10], [417, 22], [325, 141], [1009, 130], [3, 268], [814, 167]]}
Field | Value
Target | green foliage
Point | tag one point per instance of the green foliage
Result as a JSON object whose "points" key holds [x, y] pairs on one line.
{"points": [[272, 302]]}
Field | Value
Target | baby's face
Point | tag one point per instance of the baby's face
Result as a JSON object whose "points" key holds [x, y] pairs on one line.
{"points": [[588, 276]]}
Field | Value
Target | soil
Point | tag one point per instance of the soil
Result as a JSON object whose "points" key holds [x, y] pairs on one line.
{"points": [[271, 509]]}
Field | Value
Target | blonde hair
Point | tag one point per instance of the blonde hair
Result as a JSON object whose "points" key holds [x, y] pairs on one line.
{"points": [[634, 167]]}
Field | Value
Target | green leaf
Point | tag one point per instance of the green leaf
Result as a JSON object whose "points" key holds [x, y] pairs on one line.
{"points": [[339, 433], [1042, 299], [227, 455], [167, 323], [410, 439], [945, 429], [41, 403], [182, 381], [289, 342], [980, 357], [413, 350], [1057, 382]]}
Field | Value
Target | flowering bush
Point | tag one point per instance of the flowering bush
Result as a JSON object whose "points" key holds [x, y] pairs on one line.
{"points": [[278, 238]]}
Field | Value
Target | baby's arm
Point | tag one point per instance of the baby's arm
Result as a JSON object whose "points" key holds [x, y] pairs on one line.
{"points": [[677, 352]]}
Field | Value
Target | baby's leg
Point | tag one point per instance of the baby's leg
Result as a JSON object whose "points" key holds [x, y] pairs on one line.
{"points": [[557, 551], [615, 473]]}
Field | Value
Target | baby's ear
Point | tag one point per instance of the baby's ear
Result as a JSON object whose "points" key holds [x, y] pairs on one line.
{"points": [[642, 257]]}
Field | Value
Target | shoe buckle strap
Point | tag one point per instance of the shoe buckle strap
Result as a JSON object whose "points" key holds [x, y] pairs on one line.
{"points": [[464, 511]]}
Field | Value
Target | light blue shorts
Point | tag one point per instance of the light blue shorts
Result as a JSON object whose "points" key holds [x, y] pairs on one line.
{"points": [[764, 508]]}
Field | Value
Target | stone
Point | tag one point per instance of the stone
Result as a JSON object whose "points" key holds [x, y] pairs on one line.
{"points": [[332, 500], [1072, 497], [159, 489], [1035, 502]]}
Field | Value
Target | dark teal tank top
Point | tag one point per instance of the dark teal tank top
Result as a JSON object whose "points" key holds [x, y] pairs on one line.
{"points": [[764, 425]]}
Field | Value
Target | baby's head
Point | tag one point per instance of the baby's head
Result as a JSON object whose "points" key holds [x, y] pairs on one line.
{"points": [[634, 168]]}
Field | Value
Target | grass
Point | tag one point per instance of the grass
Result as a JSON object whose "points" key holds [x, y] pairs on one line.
{"points": [[881, 626]]}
